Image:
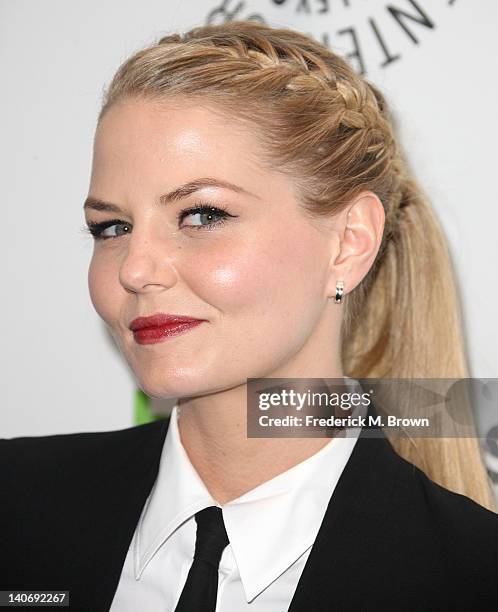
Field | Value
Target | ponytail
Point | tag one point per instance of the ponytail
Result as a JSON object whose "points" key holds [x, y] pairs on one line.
{"points": [[406, 323]]}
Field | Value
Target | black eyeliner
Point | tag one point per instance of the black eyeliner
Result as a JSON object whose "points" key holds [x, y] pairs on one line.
{"points": [[203, 208], [96, 228]]}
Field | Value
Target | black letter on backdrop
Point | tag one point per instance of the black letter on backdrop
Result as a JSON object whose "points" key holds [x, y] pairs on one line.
{"points": [[422, 18], [389, 58]]}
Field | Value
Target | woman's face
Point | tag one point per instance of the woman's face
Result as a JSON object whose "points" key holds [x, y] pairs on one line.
{"points": [[259, 277]]}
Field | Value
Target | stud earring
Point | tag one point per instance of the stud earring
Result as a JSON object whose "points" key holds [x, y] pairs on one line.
{"points": [[339, 291]]}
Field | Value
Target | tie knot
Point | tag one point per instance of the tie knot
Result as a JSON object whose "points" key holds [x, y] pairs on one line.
{"points": [[211, 538]]}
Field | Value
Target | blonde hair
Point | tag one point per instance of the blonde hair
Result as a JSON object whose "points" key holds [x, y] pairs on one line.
{"points": [[329, 129]]}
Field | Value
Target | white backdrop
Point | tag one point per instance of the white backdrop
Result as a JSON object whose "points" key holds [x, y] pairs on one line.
{"points": [[434, 60]]}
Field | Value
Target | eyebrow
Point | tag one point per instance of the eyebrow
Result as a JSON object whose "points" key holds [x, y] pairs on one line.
{"points": [[177, 194]]}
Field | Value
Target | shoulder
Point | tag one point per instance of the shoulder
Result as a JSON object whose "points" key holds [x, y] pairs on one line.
{"points": [[80, 472], [448, 509], [73, 492], [74, 442], [66, 454], [458, 531], [434, 546]]}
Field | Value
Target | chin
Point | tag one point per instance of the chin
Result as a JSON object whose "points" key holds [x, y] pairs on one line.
{"points": [[170, 387]]}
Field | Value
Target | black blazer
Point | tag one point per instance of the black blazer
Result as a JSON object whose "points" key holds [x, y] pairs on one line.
{"points": [[391, 539]]}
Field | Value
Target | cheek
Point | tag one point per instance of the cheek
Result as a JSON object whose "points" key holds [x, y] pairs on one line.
{"points": [[258, 276], [103, 288]]}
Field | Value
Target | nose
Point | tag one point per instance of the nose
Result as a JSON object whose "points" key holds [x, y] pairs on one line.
{"points": [[149, 264]]}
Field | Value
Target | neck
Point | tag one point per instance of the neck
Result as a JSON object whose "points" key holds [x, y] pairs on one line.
{"points": [[213, 431]]}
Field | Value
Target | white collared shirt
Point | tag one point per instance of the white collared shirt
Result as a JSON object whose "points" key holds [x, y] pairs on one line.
{"points": [[271, 530]]}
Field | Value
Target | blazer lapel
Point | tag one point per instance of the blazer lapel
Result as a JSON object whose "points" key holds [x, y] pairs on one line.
{"points": [[342, 570], [137, 462]]}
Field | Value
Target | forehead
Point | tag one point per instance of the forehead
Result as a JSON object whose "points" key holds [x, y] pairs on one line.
{"points": [[145, 147], [176, 129]]}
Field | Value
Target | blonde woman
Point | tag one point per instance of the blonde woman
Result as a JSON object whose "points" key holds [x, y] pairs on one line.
{"points": [[253, 217]]}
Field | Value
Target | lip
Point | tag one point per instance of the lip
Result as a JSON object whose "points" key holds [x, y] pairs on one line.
{"points": [[159, 327], [160, 320]]}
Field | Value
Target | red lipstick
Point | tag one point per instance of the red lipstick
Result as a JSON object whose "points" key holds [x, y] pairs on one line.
{"points": [[159, 327]]}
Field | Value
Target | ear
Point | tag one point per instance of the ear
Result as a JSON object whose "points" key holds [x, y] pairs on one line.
{"points": [[359, 227]]}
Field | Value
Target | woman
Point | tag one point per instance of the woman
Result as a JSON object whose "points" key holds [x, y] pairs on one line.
{"points": [[253, 217]]}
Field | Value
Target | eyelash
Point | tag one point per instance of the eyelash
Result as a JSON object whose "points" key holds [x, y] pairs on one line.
{"points": [[96, 229]]}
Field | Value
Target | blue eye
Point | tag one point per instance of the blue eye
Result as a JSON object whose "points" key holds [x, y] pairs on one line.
{"points": [[205, 212], [97, 229], [213, 215]]}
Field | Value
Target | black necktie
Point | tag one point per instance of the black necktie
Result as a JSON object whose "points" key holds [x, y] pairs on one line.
{"points": [[201, 586]]}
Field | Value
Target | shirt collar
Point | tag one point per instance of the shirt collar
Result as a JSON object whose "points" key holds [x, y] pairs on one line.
{"points": [[283, 514]]}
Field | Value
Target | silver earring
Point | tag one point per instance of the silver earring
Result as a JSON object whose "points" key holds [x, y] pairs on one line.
{"points": [[339, 291]]}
